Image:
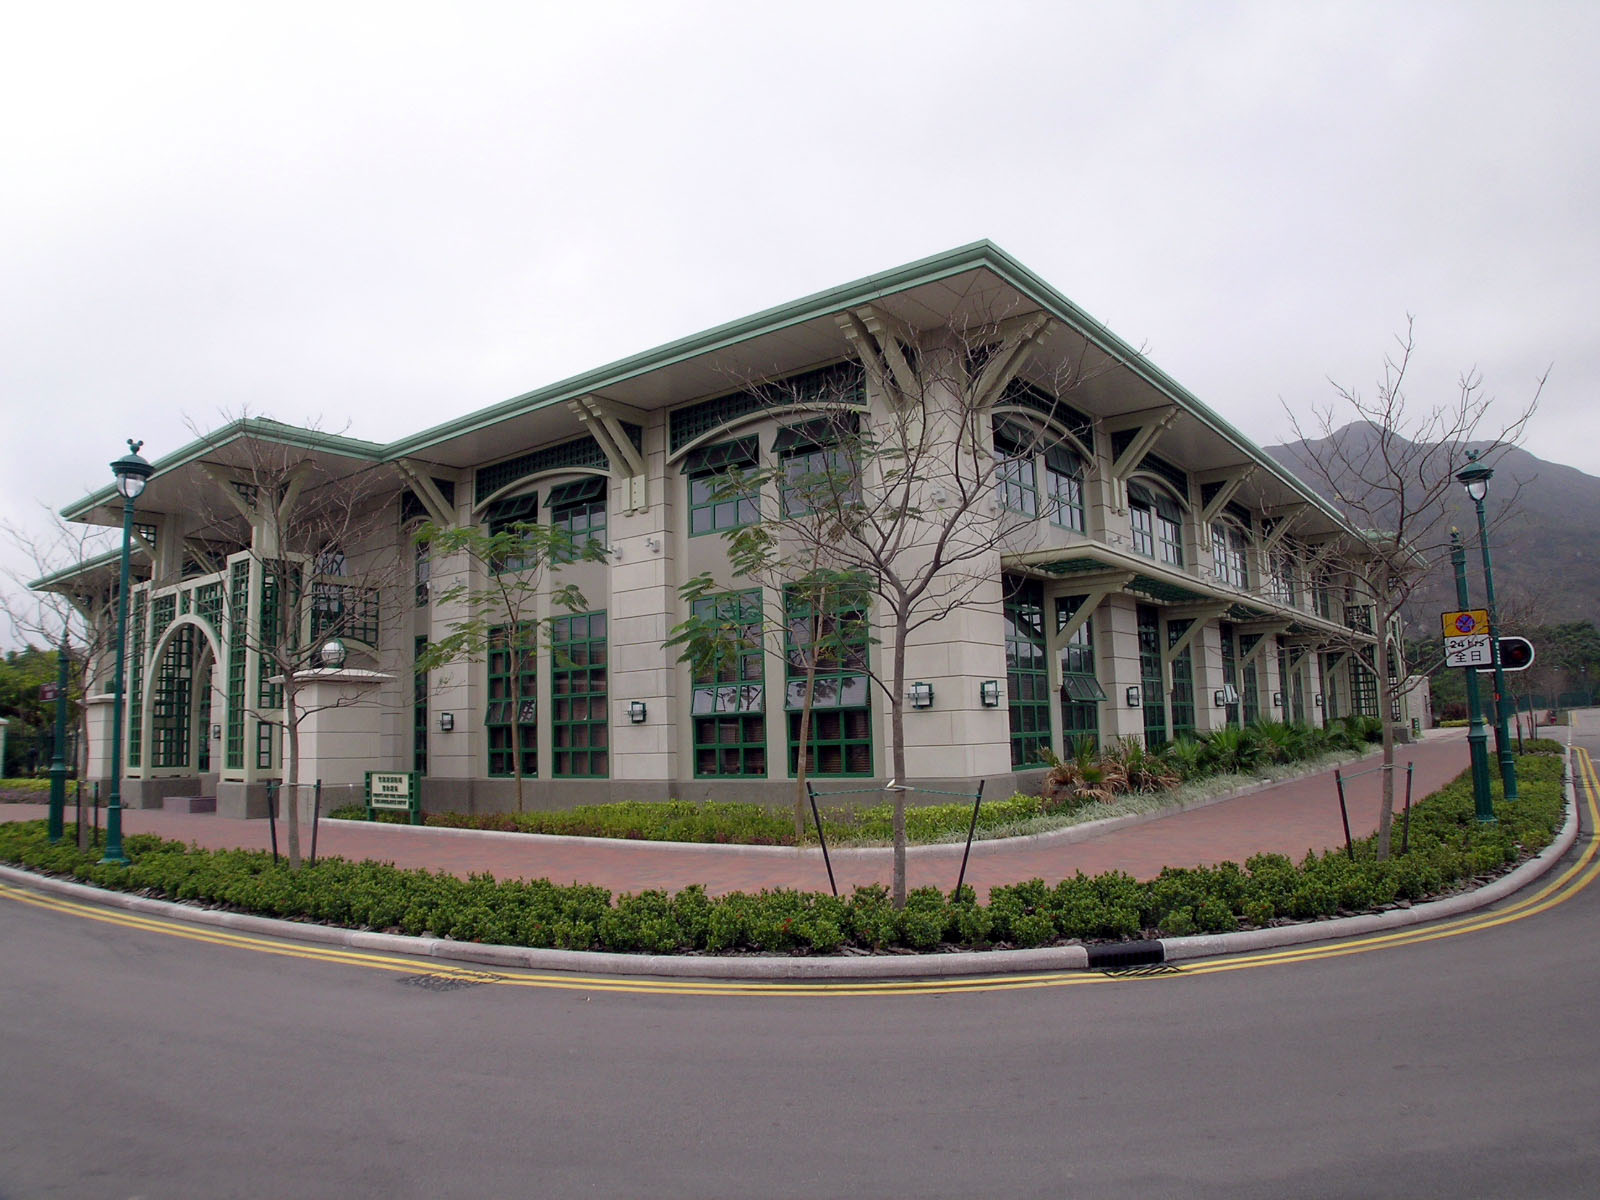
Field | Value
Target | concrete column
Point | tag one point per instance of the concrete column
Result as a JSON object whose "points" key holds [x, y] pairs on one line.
{"points": [[341, 733], [1117, 648]]}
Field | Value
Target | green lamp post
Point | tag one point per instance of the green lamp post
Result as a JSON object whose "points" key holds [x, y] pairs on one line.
{"points": [[1475, 479], [1478, 734], [58, 760], [132, 474]]}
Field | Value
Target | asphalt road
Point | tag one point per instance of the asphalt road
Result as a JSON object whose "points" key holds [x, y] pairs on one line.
{"points": [[140, 1063]]}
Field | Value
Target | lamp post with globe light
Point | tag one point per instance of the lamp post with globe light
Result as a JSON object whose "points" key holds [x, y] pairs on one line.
{"points": [[1475, 479], [132, 474]]}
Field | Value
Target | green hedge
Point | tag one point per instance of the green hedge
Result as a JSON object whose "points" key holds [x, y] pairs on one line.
{"points": [[1448, 847]]}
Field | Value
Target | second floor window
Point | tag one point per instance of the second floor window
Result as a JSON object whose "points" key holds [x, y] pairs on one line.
{"points": [[1230, 549], [1016, 480], [580, 509], [820, 473], [724, 492], [1281, 577], [505, 516], [1063, 487], [1157, 524]]}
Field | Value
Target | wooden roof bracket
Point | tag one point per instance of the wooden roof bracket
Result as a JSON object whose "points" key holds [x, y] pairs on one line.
{"points": [[603, 420], [439, 510]]}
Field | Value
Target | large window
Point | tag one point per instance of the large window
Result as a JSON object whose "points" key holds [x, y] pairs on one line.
{"points": [[419, 710], [580, 509], [1230, 553], [840, 739], [1027, 675], [1230, 675], [724, 492], [579, 723], [511, 718], [1182, 681], [1152, 688], [1157, 522], [1250, 685], [1016, 480], [729, 704], [1281, 582], [1063, 487], [819, 471], [1081, 693], [510, 516]]}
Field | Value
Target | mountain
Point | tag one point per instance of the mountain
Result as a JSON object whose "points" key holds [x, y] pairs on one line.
{"points": [[1546, 560]]}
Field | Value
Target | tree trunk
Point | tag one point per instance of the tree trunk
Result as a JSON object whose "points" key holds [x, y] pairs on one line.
{"points": [[897, 744], [1380, 660], [805, 735]]}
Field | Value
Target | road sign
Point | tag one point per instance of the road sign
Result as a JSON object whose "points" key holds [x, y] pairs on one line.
{"points": [[1516, 654], [1466, 638], [1466, 623]]}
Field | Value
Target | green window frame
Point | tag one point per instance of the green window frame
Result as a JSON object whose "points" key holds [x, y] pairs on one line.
{"points": [[1152, 687], [1063, 487], [1182, 682], [840, 737], [1027, 672], [511, 718], [419, 709], [729, 698], [724, 486], [1157, 523], [1081, 693], [1016, 476], [580, 724], [1250, 687], [1230, 554], [580, 509], [1230, 675], [505, 516]]}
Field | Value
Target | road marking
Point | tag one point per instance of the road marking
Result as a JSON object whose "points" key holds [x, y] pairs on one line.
{"points": [[1567, 884]]}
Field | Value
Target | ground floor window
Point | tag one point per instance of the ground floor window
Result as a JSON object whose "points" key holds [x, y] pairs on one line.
{"points": [[1250, 689], [1182, 681], [419, 710], [1027, 674], [1151, 683], [511, 719], [834, 642], [1081, 693], [579, 721], [1230, 677], [729, 700]]}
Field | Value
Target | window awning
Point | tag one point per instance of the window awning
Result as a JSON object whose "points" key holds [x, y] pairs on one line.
{"points": [[741, 452], [581, 491], [513, 509], [1085, 689], [819, 431]]}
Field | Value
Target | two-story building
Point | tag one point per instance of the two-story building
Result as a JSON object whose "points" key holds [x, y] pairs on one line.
{"points": [[1161, 576]]}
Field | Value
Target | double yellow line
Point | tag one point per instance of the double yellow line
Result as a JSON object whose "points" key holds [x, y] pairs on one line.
{"points": [[1566, 885]]}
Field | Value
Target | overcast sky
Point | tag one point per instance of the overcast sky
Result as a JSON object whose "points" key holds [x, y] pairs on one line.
{"points": [[376, 217]]}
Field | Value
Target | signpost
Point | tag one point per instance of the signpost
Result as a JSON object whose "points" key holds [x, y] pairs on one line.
{"points": [[394, 790]]}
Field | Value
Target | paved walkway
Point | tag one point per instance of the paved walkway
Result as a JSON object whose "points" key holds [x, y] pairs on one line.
{"points": [[1288, 818]]}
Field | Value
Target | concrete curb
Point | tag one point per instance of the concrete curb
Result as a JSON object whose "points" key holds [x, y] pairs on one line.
{"points": [[887, 966]]}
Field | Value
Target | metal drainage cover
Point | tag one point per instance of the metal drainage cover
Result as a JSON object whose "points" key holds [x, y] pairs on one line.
{"points": [[451, 981], [1134, 972]]}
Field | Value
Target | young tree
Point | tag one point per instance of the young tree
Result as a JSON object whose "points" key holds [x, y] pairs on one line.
{"points": [[505, 607], [1391, 468], [908, 501]]}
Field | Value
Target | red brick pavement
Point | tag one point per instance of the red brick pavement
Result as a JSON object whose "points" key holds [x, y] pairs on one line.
{"points": [[1288, 818]]}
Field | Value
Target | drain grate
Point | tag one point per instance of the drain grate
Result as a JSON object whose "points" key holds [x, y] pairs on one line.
{"points": [[1151, 969], [450, 981]]}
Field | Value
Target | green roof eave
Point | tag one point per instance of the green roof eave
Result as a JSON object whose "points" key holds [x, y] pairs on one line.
{"points": [[66, 574], [248, 427]]}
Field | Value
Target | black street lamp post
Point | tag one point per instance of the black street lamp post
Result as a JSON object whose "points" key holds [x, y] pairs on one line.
{"points": [[132, 473]]}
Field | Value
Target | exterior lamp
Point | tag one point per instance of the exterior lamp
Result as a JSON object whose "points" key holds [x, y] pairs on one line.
{"points": [[1277, 699], [1475, 479], [333, 654], [132, 473], [921, 695], [1133, 697], [989, 693], [447, 722], [1319, 699], [636, 711], [1219, 698]]}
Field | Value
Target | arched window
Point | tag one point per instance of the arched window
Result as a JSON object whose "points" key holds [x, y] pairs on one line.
{"points": [[1230, 549], [1157, 521]]}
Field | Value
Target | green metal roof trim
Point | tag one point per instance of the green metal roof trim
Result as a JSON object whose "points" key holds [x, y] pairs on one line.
{"points": [[975, 256], [1161, 589], [89, 564], [262, 428], [1073, 566]]}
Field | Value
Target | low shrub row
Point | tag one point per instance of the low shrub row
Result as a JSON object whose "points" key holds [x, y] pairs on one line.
{"points": [[1447, 847]]}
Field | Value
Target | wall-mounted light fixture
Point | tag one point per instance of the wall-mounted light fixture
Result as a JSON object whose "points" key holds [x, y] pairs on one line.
{"points": [[447, 722], [216, 733], [1219, 698], [921, 695], [1226, 695], [1277, 699], [1319, 699], [636, 711], [1133, 697], [989, 693]]}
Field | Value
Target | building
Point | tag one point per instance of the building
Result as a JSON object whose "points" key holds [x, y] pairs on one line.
{"points": [[1160, 574]]}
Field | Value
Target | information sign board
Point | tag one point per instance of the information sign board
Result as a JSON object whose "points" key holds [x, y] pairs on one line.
{"points": [[397, 790], [1466, 638]]}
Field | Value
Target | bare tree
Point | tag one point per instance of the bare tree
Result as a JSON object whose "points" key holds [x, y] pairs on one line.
{"points": [[1391, 466], [911, 500]]}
